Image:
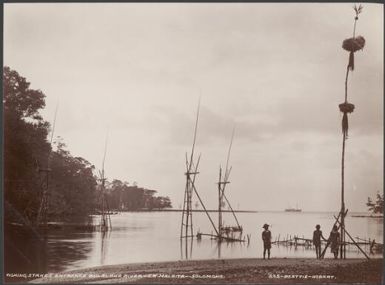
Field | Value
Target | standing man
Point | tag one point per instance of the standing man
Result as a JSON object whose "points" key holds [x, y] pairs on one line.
{"points": [[334, 240], [266, 237], [317, 235]]}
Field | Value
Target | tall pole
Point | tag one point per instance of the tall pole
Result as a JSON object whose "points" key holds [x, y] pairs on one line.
{"points": [[222, 187], [188, 205], [344, 137], [220, 204], [342, 251], [352, 45], [190, 179], [191, 172], [105, 217], [44, 202]]}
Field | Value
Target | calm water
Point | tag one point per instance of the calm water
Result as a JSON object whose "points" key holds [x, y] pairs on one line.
{"points": [[154, 236]]}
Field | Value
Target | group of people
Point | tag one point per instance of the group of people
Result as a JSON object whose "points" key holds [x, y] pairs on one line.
{"points": [[333, 240]]}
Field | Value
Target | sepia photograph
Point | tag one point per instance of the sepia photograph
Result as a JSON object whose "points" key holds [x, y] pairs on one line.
{"points": [[193, 143]]}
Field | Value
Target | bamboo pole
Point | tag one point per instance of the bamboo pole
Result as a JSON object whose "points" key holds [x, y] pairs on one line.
{"points": [[190, 193], [184, 202], [224, 237], [349, 67], [220, 202], [226, 178], [195, 135], [44, 200], [344, 137], [106, 219], [200, 200], [187, 211]]}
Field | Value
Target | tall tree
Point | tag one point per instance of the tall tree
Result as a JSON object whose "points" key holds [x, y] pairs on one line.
{"points": [[25, 144], [27, 150]]}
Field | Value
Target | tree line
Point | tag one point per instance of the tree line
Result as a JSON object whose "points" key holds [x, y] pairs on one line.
{"points": [[376, 207], [73, 188], [122, 196]]}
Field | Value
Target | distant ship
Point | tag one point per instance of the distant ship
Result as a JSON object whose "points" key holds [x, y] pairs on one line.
{"points": [[293, 209]]}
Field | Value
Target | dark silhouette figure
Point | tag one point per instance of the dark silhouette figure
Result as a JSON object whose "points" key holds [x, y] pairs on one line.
{"points": [[334, 240], [317, 235], [266, 237]]}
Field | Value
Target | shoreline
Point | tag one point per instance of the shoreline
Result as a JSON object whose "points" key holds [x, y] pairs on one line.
{"points": [[215, 271], [180, 210]]}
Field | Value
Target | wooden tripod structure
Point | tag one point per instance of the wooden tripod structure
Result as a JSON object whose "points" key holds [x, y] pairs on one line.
{"points": [[339, 225], [44, 185], [223, 181], [186, 229], [105, 217]]}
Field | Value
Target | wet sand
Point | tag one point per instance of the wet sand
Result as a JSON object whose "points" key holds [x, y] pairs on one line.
{"points": [[275, 270]]}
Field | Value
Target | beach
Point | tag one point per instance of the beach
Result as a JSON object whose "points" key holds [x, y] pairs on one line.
{"points": [[257, 271]]}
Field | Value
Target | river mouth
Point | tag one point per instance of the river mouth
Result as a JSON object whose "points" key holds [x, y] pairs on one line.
{"points": [[154, 237]]}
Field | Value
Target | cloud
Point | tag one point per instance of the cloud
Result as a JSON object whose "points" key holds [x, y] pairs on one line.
{"points": [[274, 71]]}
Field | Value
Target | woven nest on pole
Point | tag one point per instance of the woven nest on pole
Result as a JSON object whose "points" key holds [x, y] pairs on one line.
{"points": [[354, 44], [346, 107]]}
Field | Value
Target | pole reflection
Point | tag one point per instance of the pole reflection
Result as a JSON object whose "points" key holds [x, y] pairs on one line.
{"points": [[186, 248], [104, 236]]}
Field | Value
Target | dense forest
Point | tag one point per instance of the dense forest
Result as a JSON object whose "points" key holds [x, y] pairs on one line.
{"points": [[73, 186]]}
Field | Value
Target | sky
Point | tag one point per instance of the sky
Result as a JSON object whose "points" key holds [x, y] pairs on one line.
{"points": [[273, 72]]}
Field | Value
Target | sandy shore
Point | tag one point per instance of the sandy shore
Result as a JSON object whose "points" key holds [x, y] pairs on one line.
{"points": [[276, 270]]}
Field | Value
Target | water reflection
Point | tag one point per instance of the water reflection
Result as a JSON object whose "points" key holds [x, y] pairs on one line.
{"points": [[219, 247], [375, 225], [186, 248], [24, 250], [104, 236], [29, 251], [154, 236], [66, 251]]}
